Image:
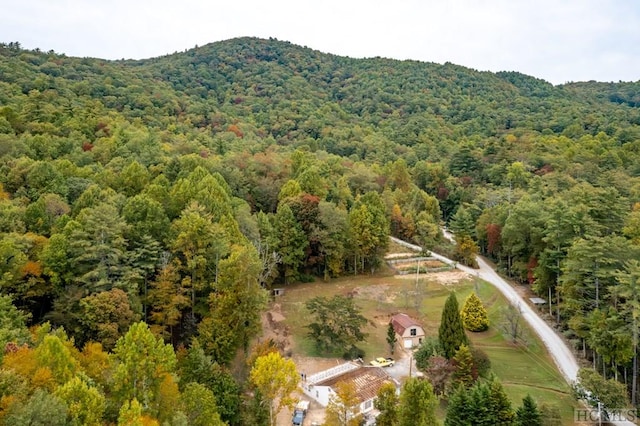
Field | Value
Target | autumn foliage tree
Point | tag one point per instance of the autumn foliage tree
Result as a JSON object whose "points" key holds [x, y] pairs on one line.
{"points": [[344, 406], [276, 378], [109, 169], [493, 238], [466, 251]]}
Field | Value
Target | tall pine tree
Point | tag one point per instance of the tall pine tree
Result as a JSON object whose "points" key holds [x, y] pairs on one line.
{"points": [[463, 361], [458, 412], [528, 413], [391, 338], [499, 404], [451, 333]]}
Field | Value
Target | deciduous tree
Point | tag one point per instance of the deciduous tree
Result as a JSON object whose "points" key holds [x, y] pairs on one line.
{"points": [[337, 323], [595, 389], [369, 230], [291, 244], [387, 404], [105, 317], [276, 378], [199, 404], [417, 405], [235, 305], [198, 367], [12, 324], [85, 403], [198, 243], [142, 362], [41, 409], [344, 406], [168, 298]]}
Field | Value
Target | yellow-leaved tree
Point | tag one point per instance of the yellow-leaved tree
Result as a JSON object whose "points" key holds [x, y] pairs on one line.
{"points": [[344, 406], [276, 378]]}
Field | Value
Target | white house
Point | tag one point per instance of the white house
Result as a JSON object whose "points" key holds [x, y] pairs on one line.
{"points": [[367, 381]]}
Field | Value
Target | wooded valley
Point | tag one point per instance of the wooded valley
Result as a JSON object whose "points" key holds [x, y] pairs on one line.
{"points": [[156, 203]]}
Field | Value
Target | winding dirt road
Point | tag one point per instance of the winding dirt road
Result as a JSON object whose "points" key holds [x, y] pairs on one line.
{"points": [[562, 356], [559, 351]]}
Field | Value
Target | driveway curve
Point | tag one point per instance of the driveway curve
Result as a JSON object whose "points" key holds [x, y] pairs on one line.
{"points": [[557, 348], [561, 354]]}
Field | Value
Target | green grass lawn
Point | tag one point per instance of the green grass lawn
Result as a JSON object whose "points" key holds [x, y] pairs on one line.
{"points": [[522, 369]]}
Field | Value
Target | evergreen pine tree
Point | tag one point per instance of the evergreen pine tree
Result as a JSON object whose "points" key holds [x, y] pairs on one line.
{"points": [[528, 413], [479, 410], [291, 244], [550, 415], [391, 338], [463, 361], [500, 410], [474, 315], [458, 408], [451, 333]]}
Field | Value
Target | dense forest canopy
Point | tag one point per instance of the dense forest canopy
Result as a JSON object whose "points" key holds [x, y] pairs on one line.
{"points": [[177, 190]]}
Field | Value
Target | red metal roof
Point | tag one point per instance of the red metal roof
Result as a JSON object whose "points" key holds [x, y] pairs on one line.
{"points": [[401, 322]]}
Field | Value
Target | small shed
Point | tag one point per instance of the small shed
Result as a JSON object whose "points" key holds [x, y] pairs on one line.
{"points": [[409, 331]]}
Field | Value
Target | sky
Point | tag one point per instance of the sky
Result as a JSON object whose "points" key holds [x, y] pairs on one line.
{"points": [[555, 40]]}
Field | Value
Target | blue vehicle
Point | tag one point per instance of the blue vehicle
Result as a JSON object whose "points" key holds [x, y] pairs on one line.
{"points": [[299, 413]]}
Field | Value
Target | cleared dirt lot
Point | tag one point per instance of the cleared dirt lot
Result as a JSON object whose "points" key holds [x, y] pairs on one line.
{"points": [[383, 290]]}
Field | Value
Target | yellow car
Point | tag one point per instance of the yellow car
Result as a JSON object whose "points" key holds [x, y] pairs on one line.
{"points": [[382, 362]]}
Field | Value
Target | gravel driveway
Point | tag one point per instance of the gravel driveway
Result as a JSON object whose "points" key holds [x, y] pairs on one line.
{"points": [[401, 369], [557, 348]]}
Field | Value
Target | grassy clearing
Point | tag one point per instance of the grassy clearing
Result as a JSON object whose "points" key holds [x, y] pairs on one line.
{"points": [[521, 370]]}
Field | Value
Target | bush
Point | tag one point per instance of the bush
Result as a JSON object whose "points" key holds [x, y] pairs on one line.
{"points": [[430, 347], [353, 352], [481, 362], [307, 278]]}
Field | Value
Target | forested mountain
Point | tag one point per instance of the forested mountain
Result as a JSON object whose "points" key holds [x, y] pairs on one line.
{"points": [[177, 190]]}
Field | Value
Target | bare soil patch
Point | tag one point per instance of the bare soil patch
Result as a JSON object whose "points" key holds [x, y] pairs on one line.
{"points": [[445, 277], [423, 264], [273, 328]]}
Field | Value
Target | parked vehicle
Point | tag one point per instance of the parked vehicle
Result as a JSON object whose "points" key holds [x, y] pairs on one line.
{"points": [[299, 412], [382, 362]]}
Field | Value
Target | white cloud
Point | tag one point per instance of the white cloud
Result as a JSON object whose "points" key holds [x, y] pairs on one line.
{"points": [[558, 40]]}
